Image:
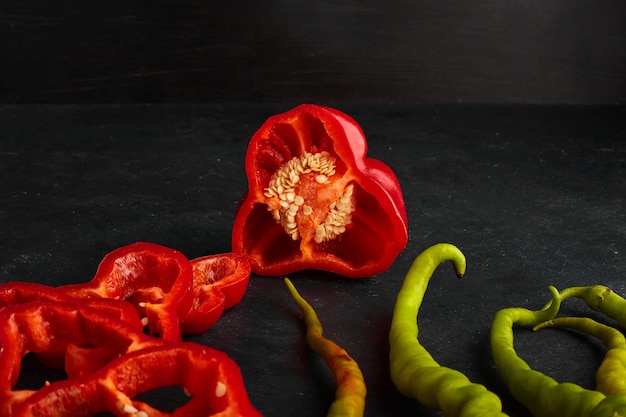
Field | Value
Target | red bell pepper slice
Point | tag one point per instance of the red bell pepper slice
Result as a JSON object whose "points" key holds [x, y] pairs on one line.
{"points": [[315, 201], [219, 283], [212, 380], [16, 293], [142, 363], [46, 326], [156, 279]]}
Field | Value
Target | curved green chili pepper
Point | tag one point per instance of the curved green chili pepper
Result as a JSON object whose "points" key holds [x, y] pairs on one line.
{"points": [[351, 390], [541, 394], [414, 371], [602, 299], [611, 374]]}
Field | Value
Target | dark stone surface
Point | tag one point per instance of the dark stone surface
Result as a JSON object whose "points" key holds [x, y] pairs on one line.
{"points": [[532, 195], [563, 51]]}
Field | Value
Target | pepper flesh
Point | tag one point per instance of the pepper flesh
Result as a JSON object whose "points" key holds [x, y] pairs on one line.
{"points": [[172, 293], [156, 279], [219, 283], [110, 389], [16, 293], [142, 363], [414, 372], [351, 389], [314, 200]]}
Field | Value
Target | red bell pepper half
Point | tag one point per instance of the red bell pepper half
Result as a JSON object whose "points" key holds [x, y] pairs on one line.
{"points": [[315, 201], [219, 282], [156, 279]]}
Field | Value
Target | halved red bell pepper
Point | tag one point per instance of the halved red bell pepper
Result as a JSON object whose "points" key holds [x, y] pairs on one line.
{"points": [[219, 282], [156, 279], [315, 201], [142, 363]]}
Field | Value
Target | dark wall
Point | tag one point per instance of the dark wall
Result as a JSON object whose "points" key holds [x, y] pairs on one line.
{"points": [[503, 51]]}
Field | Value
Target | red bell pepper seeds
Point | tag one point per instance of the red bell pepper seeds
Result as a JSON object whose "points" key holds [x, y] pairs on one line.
{"points": [[315, 201]]}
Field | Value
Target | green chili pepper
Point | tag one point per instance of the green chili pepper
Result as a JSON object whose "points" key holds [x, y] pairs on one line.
{"points": [[541, 394], [602, 299], [351, 389], [611, 374], [414, 371]]}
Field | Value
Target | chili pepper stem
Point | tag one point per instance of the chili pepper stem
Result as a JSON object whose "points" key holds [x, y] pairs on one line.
{"points": [[351, 389], [602, 299]]}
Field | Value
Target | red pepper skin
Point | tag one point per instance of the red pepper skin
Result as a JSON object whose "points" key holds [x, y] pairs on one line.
{"points": [[46, 326], [141, 363], [183, 364], [16, 293], [378, 230], [219, 283], [156, 279]]}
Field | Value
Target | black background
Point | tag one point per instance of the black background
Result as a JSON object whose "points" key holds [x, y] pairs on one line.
{"points": [[504, 121], [397, 50]]}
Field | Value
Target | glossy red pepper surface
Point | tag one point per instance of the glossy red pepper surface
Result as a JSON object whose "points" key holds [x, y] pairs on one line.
{"points": [[139, 363], [219, 282], [156, 279], [17, 293], [315, 201]]}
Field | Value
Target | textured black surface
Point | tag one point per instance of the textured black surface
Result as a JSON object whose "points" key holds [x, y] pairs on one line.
{"points": [[491, 51], [532, 195]]}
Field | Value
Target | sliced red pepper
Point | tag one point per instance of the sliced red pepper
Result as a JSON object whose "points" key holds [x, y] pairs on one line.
{"points": [[315, 201], [46, 326], [211, 378], [16, 293], [219, 282], [156, 279], [142, 363]]}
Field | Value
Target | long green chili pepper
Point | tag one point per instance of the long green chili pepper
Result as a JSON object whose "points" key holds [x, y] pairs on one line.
{"points": [[611, 374], [414, 371], [602, 299], [541, 394], [351, 389]]}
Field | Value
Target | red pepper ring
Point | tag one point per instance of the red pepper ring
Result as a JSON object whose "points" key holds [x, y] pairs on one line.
{"points": [[156, 279], [49, 326], [210, 377], [219, 283], [144, 363], [315, 201], [16, 293]]}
